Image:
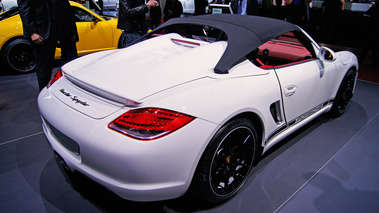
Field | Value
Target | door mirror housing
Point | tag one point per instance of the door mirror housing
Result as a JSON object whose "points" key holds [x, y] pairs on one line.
{"points": [[327, 54]]}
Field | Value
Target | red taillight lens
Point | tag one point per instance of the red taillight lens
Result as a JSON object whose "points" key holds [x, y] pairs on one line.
{"points": [[55, 77], [149, 123]]}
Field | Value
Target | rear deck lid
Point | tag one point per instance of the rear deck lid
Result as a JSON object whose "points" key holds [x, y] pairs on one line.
{"points": [[148, 67]]}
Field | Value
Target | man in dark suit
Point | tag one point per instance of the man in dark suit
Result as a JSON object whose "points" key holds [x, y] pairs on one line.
{"points": [[245, 7], [44, 22], [300, 15], [66, 30], [38, 24]]}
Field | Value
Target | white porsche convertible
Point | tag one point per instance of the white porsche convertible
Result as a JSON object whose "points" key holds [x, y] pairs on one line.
{"points": [[192, 105]]}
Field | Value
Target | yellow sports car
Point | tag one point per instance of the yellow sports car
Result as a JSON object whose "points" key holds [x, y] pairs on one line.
{"points": [[95, 33]]}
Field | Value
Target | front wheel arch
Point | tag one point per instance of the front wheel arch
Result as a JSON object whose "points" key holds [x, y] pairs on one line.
{"points": [[344, 94], [18, 55]]}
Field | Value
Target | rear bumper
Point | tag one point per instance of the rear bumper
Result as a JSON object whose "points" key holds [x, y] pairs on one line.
{"points": [[135, 170]]}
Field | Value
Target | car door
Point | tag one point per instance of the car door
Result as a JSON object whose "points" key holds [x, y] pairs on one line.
{"points": [[306, 87], [94, 34], [306, 81]]}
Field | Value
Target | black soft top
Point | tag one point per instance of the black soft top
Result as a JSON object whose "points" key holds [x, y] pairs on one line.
{"points": [[245, 33]]}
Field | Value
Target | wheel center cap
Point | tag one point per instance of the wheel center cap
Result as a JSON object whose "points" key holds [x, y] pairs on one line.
{"points": [[228, 159]]}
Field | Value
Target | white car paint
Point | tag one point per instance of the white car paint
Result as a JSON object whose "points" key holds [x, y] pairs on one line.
{"points": [[163, 73]]}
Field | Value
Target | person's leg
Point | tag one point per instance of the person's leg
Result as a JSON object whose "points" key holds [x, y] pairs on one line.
{"points": [[44, 55], [130, 38], [68, 51]]}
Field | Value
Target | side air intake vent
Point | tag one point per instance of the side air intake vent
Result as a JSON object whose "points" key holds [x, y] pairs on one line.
{"points": [[276, 112]]}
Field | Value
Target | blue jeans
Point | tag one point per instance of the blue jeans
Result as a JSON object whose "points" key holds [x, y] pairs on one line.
{"points": [[130, 38]]}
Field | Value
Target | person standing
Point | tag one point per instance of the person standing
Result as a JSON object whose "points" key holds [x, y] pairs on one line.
{"points": [[300, 15], [132, 20], [245, 7], [45, 22], [66, 30], [172, 9], [332, 11], [373, 30], [155, 16], [200, 6], [38, 25]]}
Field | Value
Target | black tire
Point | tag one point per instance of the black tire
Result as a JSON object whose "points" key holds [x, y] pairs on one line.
{"points": [[344, 95], [18, 56], [121, 42], [228, 158]]}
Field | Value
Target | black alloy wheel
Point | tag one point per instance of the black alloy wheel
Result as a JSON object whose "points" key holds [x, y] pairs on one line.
{"points": [[227, 161], [344, 95], [18, 55]]}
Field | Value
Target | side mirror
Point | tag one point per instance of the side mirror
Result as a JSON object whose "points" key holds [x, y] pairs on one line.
{"points": [[95, 19], [94, 22], [327, 54]]}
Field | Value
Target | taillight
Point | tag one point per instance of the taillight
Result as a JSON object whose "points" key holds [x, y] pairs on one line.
{"points": [[149, 123], [55, 77]]}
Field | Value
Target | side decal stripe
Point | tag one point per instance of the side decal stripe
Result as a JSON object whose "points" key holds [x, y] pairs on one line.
{"points": [[298, 120]]}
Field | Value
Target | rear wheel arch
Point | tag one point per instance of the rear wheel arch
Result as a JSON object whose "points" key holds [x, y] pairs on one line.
{"points": [[257, 121], [258, 124], [248, 121]]}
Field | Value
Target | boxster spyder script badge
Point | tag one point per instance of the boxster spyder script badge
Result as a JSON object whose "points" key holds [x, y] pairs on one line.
{"points": [[73, 98]]}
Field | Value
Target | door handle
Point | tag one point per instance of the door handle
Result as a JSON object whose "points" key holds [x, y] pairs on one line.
{"points": [[290, 90]]}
